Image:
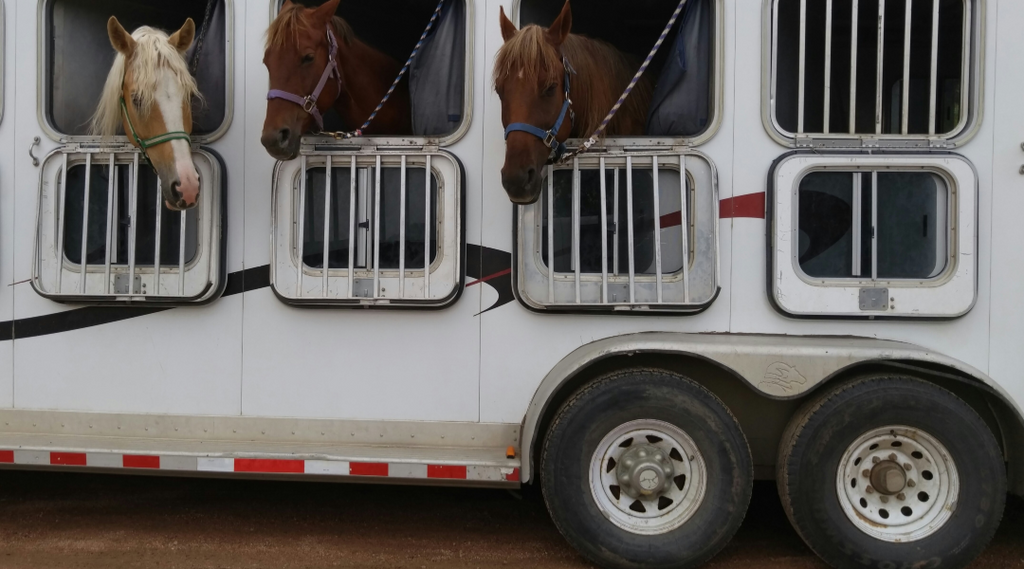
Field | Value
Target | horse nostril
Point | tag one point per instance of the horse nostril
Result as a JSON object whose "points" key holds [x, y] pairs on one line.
{"points": [[283, 136], [530, 175], [174, 189]]}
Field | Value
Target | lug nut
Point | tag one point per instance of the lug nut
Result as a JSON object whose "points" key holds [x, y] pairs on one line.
{"points": [[875, 460], [869, 490], [911, 483], [624, 479], [892, 457], [885, 499], [906, 466], [628, 463], [901, 496], [642, 453], [866, 473]]}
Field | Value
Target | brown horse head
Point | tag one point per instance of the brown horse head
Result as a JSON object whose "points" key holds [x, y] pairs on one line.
{"points": [[298, 51], [149, 94], [529, 78]]}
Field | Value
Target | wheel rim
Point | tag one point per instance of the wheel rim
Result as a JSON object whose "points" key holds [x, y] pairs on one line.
{"points": [[648, 477], [897, 484]]}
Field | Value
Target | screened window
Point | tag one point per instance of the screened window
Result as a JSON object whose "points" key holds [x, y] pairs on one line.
{"points": [[873, 225], [685, 75], [437, 78], [621, 233], [871, 67], [375, 230], [79, 55], [873, 235], [110, 239]]}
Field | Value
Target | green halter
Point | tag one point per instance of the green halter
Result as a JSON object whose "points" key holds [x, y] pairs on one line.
{"points": [[146, 144]]}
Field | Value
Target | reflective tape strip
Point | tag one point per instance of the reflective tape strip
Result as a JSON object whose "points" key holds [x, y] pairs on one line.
{"points": [[250, 465]]}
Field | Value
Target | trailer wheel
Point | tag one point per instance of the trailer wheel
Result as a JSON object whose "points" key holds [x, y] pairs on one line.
{"points": [[891, 471], [646, 468]]}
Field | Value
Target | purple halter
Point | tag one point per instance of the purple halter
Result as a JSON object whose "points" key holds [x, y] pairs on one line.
{"points": [[308, 103]]}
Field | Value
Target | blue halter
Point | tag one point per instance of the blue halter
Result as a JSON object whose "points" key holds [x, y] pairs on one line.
{"points": [[549, 136]]}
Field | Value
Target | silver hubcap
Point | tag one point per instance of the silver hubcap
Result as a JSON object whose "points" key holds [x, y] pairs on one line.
{"points": [[897, 484], [647, 477]]}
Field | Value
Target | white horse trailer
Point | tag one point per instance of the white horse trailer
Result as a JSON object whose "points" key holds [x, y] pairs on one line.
{"points": [[805, 271]]}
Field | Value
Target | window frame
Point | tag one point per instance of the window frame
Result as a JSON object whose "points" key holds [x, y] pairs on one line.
{"points": [[43, 83], [449, 216], [403, 140], [667, 142], [950, 294], [208, 264], [529, 267], [971, 97]]}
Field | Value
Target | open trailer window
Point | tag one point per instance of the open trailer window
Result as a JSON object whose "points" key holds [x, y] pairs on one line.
{"points": [[686, 73], [626, 232], [873, 236], [373, 229], [104, 234], [872, 69], [439, 78]]}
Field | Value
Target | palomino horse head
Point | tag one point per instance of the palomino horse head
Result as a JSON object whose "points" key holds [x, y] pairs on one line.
{"points": [[301, 58], [529, 77], [149, 94]]}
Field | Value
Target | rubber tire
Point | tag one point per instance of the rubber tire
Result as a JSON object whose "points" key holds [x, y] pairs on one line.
{"points": [[822, 430], [626, 396]]}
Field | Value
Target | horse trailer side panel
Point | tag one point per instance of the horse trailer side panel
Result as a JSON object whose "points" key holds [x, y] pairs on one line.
{"points": [[7, 200]]}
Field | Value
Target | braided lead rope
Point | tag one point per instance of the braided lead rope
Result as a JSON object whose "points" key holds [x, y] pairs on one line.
{"points": [[629, 89], [415, 51]]}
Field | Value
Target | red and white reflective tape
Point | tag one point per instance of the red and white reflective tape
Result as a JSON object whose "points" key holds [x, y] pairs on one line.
{"points": [[398, 470]]}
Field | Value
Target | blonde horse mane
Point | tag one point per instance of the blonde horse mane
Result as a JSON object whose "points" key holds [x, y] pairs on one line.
{"points": [[152, 53], [602, 72]]}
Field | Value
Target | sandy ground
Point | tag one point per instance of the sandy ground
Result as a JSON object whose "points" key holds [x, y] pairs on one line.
{"points": [[65, 520]]}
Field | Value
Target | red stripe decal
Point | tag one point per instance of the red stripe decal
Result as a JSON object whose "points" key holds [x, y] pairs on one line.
{"points": [[514, 477], [490, 277], [140, 461], [368, 469], [749, 205], [7, 456], [452, 472], [68, 458], [269, 465], [674, 219]]}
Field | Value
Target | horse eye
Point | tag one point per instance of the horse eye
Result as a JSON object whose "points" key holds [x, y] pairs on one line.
{"points": [[549, 91], [137, 100], [308, 58]]}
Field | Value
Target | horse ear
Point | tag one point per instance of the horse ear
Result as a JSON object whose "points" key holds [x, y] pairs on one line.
{"points": [[122, 41], [326, 11], [559, 29], [182, 39], [508, 29]]}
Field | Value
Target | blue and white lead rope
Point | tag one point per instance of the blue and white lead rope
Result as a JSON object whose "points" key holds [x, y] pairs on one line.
{"points": [[629, 88], [415, 51]]}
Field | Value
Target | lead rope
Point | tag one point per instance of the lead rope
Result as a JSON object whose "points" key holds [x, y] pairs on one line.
{"points": [[629, 89], [415, 51], [194, 67]]}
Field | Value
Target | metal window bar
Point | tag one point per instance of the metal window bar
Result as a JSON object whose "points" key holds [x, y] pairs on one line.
{"points": [[604, 235], [401, 234], [881, 63], [426, 228], [325, 273], [134, 199], [934, 68], [904, 127], [854, 25], [112, 175], [376, 229], [83, 260], [300, 242], [615, 217], [156, 239], [828, 64], [657, 226], [874, 225], [684, 223], [630, 236], [181, 256], [576, 224], [803, 67], [551, 234], [353, 174]]}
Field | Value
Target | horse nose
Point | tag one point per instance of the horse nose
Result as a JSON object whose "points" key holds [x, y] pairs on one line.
{"points": [[181, 200], [521, 185]]}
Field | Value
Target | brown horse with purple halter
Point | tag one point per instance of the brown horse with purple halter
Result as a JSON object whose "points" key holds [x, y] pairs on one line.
{"points": [[317, 63]]}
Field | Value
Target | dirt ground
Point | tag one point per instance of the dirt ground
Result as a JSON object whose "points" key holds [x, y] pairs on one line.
{"points": [[69, 520]]}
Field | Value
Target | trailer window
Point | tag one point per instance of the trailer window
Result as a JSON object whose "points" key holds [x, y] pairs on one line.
{"points": [[686, 73], [848, 232], [876, 68], [79, 54], [439, 75], [383, 235], [629, 232], [109, 239]]}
